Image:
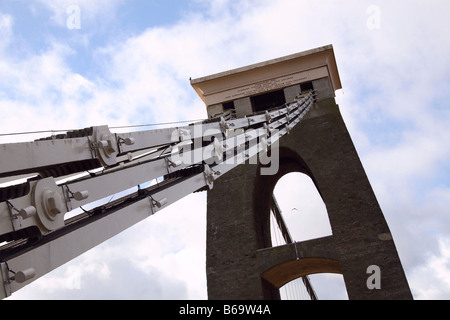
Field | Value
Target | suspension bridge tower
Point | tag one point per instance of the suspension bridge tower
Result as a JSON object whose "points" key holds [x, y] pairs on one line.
{"points": [[241, 261]]}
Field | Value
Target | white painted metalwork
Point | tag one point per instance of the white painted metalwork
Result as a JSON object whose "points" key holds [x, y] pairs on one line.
{"points": [[83, 167]]}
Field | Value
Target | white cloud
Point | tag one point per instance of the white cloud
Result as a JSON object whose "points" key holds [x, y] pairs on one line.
{"points": [[43, 86], [302, 207], [6, 22], [432, 279]]}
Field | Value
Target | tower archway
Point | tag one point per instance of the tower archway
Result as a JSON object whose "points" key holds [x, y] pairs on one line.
{"points": [[294, 193], [302, 209], [304, 214]]}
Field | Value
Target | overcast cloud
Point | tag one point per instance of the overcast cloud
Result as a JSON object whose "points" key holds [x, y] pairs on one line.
{"points": [[129, 62]]}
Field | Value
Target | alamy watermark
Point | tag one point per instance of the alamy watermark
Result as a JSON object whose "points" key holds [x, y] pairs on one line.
{"points": [[250, 146], [73, 21], [374, 280], [374, 19]]}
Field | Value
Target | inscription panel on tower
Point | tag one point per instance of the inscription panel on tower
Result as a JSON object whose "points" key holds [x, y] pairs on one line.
{"points": [[265, 86]]}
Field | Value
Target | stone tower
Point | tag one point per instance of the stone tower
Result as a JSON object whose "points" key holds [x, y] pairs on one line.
{"points": [[241, 261]]}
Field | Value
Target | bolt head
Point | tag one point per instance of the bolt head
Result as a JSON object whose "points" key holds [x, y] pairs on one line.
{"points": [[53, 203]]}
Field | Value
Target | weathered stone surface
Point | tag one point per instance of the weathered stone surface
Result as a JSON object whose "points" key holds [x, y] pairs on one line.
{"points": [[238, 267]]}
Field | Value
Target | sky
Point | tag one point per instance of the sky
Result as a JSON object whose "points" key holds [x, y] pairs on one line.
{"points": [[69, 64]]}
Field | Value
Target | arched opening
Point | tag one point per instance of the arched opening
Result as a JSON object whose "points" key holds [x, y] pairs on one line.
{"points": [[308, 279], [305, 217], [304, 214], [326, 286], [329, 286], [302, 208]]}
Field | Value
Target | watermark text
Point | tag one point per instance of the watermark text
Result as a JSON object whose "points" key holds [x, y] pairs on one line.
{"points": [[73, 21], [374, 280], [374, 19]]}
